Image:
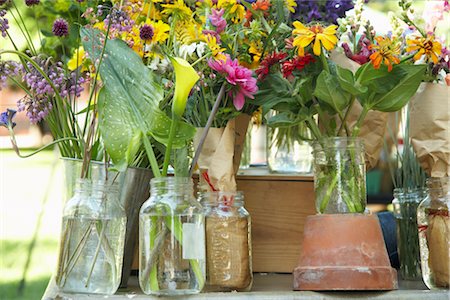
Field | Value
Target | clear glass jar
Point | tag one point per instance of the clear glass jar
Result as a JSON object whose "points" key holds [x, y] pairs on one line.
{"points": [[228, 242], [434, 234], [92, 240], [246, 157], [405, 205], [339, 175], [171, 239], [288, 151]]}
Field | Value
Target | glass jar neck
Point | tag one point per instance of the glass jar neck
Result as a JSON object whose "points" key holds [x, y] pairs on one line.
{"points": [[176, 186], [101, 188], [222, 199], [83, 186], [438, 187], [339, 143]]}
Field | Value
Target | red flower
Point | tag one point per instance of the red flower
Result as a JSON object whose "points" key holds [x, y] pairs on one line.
{"points": [[270, 60], [297, 63]]}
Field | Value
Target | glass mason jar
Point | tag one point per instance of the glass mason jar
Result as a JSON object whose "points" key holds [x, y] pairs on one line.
{"points": [[171, 239], [434, 234], [405, 205], [287, 150], [228, 242], [339, 175], [92, 240]]}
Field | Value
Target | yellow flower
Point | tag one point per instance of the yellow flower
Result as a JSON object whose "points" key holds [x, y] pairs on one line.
{"points": [[386, 51], [77, 60], [425, 46], [178, 9], [185, 79], [217, 52], [235, 10], [303, 36], [160, 31], [291, 4]]}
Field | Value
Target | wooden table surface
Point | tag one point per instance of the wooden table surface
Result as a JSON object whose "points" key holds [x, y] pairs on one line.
{"points": [[271, 286]]}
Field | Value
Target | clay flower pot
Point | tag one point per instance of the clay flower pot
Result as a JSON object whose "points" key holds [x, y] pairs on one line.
{"points": [[344, 252]]}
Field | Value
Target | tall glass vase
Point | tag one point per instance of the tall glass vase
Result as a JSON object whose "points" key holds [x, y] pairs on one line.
{"points": [[433, 220], [339, 175], [287, 150], [171, 239], [405, 205], [92, 240]]}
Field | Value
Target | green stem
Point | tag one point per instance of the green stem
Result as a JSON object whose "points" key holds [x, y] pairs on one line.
{"points": [[151, 156], [173, 129], [314, 128], [361, 118], [324, 61], [344, 121], [16, 148]]}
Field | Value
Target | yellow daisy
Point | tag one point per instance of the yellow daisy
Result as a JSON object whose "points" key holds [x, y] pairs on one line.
{"points": [[178, 9], [425, 46], [303, 36]]}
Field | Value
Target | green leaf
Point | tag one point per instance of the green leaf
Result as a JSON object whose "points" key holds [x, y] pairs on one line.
{"points": [[367, 73], [128, 103], [347, 82], [283, 119], [404, 81], [275, 92], [329, 92]]}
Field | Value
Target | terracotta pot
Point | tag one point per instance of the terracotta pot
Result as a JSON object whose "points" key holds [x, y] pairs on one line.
{"points": [[344, 252]]}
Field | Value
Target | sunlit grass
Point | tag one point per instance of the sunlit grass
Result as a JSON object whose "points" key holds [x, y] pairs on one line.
{"points": [[27, 188]]}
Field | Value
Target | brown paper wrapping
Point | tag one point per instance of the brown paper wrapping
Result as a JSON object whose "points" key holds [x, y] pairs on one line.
{"points": [[221, 154], [227, 252], [438, 239], [374, 126], [430, 128]]}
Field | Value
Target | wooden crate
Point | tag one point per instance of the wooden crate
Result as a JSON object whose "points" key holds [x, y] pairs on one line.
{"points": [[278, 205]]}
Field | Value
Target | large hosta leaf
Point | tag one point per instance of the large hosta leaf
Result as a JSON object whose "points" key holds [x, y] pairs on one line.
{"points": [[128, 103]]}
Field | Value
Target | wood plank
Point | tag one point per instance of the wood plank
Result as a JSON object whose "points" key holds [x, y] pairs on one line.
{"points": [[278, 210]]}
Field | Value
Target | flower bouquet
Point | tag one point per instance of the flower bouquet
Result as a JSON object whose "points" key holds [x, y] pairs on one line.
{"points": [[301, 83]]}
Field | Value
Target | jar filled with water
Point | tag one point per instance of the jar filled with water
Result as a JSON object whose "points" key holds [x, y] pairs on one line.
{"points": [[92, 240]]}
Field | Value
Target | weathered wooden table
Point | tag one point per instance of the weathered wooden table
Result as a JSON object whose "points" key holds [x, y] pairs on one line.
{"points": [[271, 286]]}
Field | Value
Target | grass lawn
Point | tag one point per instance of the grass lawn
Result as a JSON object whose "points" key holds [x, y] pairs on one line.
{"points": [[29, 187]]}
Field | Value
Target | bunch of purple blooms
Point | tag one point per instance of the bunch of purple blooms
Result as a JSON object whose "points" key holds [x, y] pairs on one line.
{"points": [[38, 102], [326, 11]]}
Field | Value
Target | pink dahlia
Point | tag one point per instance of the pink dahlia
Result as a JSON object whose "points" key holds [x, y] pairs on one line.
{"points": [[238, 76]]}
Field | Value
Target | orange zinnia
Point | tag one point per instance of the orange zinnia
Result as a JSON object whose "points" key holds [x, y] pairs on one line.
{"points": [[386, 51], [261, 5], [425, 46]]}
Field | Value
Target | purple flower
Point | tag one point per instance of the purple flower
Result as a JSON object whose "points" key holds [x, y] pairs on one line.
{"points": [[3, 2], [146, 32], [60, 27], [36, 107], [39, 103], [328, 11], [120, 20], [32, 2], [238, 76], [8, 69], [4, 26], [217, 20], [6, 118]]}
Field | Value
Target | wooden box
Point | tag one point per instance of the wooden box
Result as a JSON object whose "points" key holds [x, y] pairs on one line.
{"points": [[278, 205]]}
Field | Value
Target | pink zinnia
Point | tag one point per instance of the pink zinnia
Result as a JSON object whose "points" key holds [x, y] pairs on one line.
{"points": [[217, 20], [238, 76]]}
